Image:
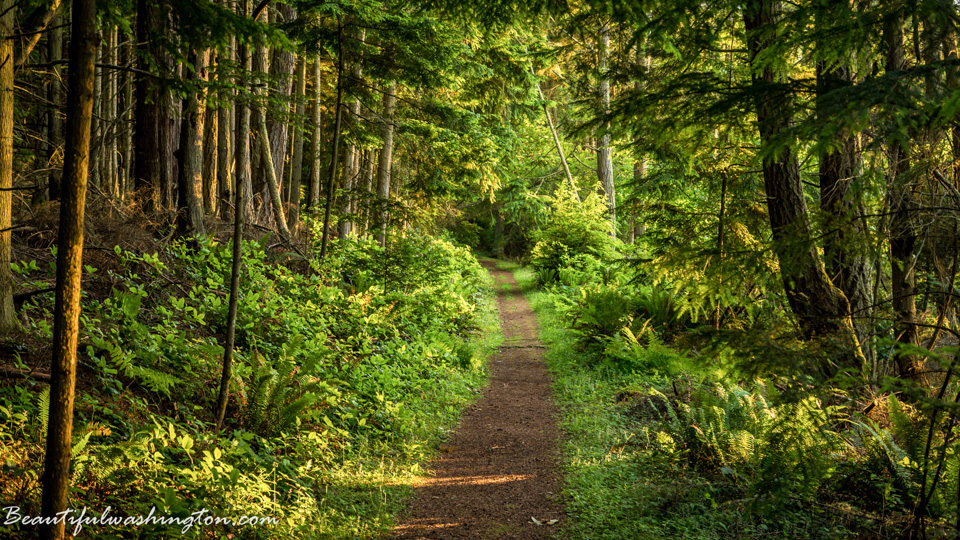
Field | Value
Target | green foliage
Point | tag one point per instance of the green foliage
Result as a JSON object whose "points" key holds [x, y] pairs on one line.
{"points": [[572, 229], [370, 355]]}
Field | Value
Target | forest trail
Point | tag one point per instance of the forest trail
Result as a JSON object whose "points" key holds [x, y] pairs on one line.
{"points": [[500, 468]]}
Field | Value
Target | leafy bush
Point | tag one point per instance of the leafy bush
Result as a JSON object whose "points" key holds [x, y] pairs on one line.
{"points": [[572, 229]]}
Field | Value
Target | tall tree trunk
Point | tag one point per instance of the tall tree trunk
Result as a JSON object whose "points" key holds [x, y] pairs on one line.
{"points": [[126, 150], [169, 135], [846, 264], [226, 173], [386, 162], [148, 180], [296, 165], [244, 169], [368, 189], [96, 168], [315, 157], [325, 239], [190, 216], [284, 63], [821, 308], [261, 67], [903, 232], [639, 175], [55, 95], [66, 317], [111, 185], [604, 151], [8, 319], [211, 136], [227, 371], [352, 165]]}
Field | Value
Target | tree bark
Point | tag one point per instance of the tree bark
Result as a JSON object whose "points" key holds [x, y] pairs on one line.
{"points": [[190, 216], [244, 169], [352, 169], [325, 239], [821, 308], [66, 318], [8, 321], [604, 152], [148, 181], [211, 136], [273, 185], [225, 144], [296, 173], [315, 157], [842, 206], [55, 95], [284, 65], [126, 150], [386, 162], [368, 189]]}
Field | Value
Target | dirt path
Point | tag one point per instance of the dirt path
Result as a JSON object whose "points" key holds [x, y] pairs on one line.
{"points": [[499, 469]]}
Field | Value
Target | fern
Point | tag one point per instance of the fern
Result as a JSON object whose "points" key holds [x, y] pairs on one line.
{"points": [[278, 392], [43, 411]]}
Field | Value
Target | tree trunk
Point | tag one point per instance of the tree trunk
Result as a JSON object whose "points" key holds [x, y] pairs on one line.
{"points": [[169, 135], [261, 66], [386, 161], [8, 321], [273, 186], [296, 173], [368, 193], [556, 142], [148, 181], [325, 239], [211, 136], [126, 150], [352, 168], [903, 232], [842, 206], [111, 185], [66, 318], [227, 371], [55, 95], [315, 157], [190, 216], [820, 307], [604, 152], [96, 144], [283, 67], [225, 144]]}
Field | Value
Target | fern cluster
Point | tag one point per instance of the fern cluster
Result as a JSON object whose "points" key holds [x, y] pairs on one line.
{"points": [[277, 392], [778, 450]]}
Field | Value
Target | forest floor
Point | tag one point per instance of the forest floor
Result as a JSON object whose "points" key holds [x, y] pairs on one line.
{"points": [[498, 472]]}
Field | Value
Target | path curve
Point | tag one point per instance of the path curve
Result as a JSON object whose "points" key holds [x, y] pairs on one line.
{"points": [[500, 469]]}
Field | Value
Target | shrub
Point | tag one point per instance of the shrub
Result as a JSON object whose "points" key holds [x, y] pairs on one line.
{"points": [[572, 229]]}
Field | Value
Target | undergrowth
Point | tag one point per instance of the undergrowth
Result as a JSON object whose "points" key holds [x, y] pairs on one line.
{"points": [[348, 374], [645, 456]]}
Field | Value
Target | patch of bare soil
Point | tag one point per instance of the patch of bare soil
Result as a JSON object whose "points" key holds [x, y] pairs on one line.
{"points": [[498, 473]]}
